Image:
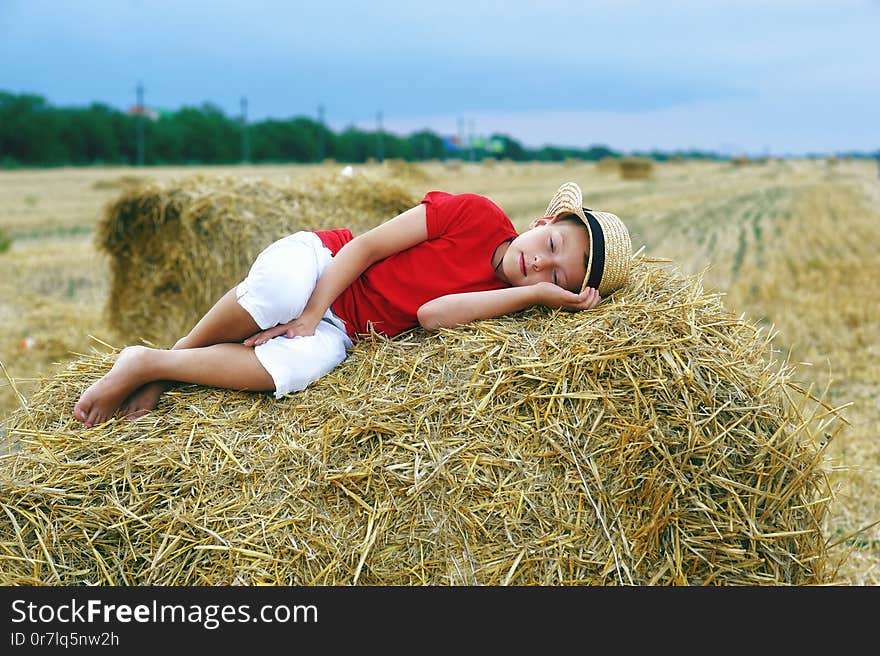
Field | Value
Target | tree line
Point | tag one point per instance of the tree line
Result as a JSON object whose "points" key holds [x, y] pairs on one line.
{"points": [[34, 133]]}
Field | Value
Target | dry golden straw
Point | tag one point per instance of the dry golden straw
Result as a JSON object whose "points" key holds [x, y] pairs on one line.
{"points": [[653, 440]]}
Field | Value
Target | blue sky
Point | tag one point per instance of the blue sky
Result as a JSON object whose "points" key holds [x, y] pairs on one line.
{"points": [[734, 76]]}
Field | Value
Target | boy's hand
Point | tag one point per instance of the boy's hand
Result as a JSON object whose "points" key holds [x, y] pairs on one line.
{"points": [[555, 297], [299, 327]]}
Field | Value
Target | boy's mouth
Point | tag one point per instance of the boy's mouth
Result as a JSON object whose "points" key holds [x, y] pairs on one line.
{"points": [[522, 264]]}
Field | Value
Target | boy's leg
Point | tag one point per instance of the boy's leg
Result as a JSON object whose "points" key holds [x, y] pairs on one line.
{"points": [[226, 321], [278, 286], [228, 365]]}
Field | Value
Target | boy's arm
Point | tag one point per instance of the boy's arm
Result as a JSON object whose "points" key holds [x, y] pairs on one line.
{"points": [[459, 309], [403, 231]]}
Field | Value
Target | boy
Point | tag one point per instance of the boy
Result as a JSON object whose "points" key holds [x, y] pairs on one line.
{"points": [[448, 261]]}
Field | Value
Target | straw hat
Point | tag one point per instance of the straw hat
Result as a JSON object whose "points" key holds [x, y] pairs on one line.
{"points": [[610, 247]]}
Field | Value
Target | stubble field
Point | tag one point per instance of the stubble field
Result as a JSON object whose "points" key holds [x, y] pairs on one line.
{"points": [[791, 244]]}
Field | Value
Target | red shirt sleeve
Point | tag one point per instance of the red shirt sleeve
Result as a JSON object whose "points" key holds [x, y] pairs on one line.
{"points": [[443, 210], [334, 239]]}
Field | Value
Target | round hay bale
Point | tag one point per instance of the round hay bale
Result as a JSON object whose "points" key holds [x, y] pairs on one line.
{"points": [[176, 247], [636, 168], [407, 172], [650, 441]]}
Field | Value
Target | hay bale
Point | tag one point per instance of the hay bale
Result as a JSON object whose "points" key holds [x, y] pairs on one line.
{"points": [[651, 441], [745, 160], [406, 172], [176, 247], [636, 168]]}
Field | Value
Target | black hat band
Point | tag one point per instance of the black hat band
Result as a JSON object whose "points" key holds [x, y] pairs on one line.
{"points": [[597, 246]]}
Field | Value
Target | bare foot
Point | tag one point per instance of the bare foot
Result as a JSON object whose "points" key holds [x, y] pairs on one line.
{"points": [[102, 399], [142, 400]]}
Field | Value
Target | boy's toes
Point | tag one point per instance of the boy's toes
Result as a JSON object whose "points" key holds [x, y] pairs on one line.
{"points": [[87, 414], [79, 413], [93, 420]]}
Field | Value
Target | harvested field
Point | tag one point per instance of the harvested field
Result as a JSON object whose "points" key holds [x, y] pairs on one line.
{"points": [[787, 245]]}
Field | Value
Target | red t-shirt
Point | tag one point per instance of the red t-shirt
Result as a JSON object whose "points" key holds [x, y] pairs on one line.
{"points": [[463, 232]]}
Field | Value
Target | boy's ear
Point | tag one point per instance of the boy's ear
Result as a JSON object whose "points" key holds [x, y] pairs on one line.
{"points": [[541, 220]]}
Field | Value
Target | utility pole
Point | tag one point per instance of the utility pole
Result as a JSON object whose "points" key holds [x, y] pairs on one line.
{"points": [[379, 137], [245, 143], [320, 133], [140, 124]]}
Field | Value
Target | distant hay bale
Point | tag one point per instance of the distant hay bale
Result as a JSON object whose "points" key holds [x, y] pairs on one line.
{"points": [[744, 160], [650, 441], [406, 172], [608, 165], [636, 168], [176, 247]]}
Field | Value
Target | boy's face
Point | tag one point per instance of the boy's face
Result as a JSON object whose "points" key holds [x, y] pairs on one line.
{"points": [[551, 250]]}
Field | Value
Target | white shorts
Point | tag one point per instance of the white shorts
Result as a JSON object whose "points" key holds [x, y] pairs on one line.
{"points": [[275, 291]]}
